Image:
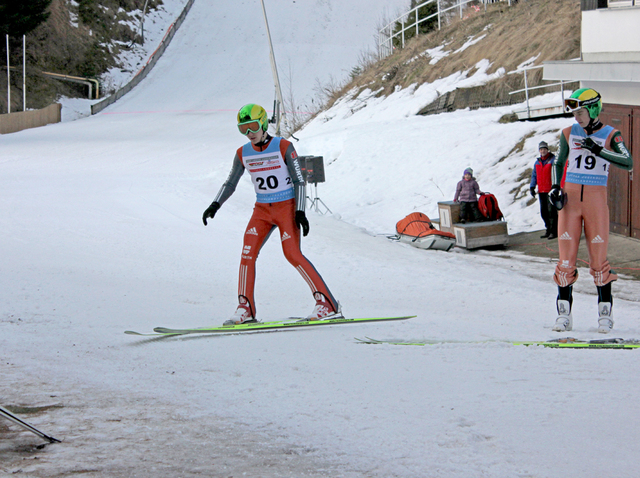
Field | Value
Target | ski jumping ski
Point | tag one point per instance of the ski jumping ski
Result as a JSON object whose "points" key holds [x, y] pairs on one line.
{"points": [[566, 342], [260, 326], [11, 417]]}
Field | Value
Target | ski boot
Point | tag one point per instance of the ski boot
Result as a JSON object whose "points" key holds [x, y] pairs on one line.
{"points": [[243, 314], [605, 322], [323, 309], [564, 322]]}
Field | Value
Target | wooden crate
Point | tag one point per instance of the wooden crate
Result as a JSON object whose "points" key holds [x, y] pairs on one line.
{"points": [[449, 213], [481, 234]]}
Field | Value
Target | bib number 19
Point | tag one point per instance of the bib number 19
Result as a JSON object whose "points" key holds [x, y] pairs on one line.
{"points": [[589, 163]]}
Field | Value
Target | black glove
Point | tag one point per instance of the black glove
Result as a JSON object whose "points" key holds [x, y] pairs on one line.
{"points": [[592, 146], [557, 197], [533, 192], [302, 223], [210, 211]]}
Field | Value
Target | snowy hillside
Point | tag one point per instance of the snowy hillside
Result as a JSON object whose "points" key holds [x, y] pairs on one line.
{"points": [[309, 40], [408, 163], [101, 232]]}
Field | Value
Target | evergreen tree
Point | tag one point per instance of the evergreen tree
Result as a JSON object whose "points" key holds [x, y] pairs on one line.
{"points": [[19, 17], [424, 26]]}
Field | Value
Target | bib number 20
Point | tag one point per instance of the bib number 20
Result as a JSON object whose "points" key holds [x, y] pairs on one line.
{"points": [[271, 182]]}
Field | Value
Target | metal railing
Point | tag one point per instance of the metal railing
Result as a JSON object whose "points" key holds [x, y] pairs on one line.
{"points": [[528, 88], [624, 3], [386, 35], [89, 82]]}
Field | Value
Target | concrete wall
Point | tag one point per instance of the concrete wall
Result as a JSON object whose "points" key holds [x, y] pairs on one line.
{"points": [[616, 93], [610, 50], [611, 34], [10, 123]]}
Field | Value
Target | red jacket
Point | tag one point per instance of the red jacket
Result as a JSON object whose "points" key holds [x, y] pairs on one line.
{"points": [[542, 173]]}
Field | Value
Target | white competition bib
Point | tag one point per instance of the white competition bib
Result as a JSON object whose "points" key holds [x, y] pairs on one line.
{"points": [[584, 167], [269, 172]]}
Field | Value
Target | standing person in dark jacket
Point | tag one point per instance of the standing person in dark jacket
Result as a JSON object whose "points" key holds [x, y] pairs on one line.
{"points": [[542, 178], [467, 191]]}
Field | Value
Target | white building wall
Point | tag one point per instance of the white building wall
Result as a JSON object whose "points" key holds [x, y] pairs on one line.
{"points": [[611, 34], [615, 93]]}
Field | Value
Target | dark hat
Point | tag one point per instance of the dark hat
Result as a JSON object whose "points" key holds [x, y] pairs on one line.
{"points": [[468, 170], [543, 144]]}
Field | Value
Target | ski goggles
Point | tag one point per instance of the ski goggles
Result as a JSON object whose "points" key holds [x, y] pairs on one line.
{"points": [[247, 127], [574, 104]]}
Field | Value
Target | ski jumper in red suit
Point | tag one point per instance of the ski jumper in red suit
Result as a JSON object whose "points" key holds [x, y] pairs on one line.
{"points": [[280, 189], [585, 187]]}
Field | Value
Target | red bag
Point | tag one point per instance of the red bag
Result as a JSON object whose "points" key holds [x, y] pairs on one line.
{"points": [[488, 205]]}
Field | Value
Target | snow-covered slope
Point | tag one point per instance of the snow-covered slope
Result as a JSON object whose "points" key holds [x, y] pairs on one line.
{"points": [[314, 42], [101, 232], [402, 163]]}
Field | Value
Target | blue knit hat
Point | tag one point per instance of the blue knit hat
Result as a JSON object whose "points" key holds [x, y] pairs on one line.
{"points": [[468, 171]]}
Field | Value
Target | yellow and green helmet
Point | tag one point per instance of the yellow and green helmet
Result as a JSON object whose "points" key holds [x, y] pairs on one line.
{"points": [[584, 98], [253, 112]]}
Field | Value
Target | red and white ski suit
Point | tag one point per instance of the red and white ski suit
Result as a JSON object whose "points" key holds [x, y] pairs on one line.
{"points": [[585, 187], [280, 189]]}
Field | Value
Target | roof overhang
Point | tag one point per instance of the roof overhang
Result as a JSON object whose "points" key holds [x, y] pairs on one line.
{"points": [[617, 72]]}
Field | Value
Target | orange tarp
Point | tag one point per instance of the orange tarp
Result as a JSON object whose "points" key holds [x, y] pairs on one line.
{"points": [[418, 224]]}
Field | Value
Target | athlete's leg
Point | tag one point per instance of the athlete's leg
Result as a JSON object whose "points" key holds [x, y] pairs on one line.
{"points": [[564, 321], [569, 232], [566, 273], [290, 238], [257, 232], [566, 293], [596, 231]]}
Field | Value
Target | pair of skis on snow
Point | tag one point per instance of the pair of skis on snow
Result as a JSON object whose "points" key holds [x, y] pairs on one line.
{"points": [[290, 323], [566, 342], [296, 323]]}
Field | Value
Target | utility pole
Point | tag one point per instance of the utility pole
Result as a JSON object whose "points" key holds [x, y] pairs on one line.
{"points": [[24, 72], [8, 79], [144, 11], [276, 80]]}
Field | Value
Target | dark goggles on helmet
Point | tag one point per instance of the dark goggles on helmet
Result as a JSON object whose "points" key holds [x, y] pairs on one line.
{"points": [[252, 126], [574, 104]]}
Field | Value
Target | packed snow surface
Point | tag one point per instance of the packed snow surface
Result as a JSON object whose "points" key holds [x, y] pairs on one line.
{"points": [[101, 232]]}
